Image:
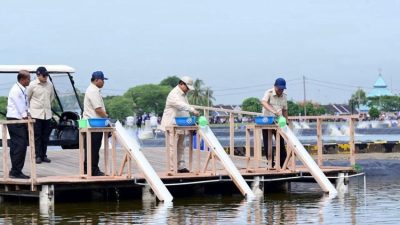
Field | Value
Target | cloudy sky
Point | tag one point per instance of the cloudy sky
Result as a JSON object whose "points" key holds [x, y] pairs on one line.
{"points": [[237, 48]]}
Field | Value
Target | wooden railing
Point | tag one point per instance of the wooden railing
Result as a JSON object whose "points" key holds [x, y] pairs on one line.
{"points": [[319, 119], [31, 143]]}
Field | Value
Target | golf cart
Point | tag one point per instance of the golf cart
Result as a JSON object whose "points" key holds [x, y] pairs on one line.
{"points": [[66, 107]]}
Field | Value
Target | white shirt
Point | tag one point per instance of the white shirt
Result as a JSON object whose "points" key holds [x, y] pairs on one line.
{"points": [[92, 101], [279, 103], [176, 105], [17, 104]]}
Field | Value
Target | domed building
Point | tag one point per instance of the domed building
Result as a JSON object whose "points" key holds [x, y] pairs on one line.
{"points": [[380, 88]]}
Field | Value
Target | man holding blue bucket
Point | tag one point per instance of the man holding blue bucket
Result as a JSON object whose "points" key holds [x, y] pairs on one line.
{"points": [[93, 107], [178, 105], [274, 103]]}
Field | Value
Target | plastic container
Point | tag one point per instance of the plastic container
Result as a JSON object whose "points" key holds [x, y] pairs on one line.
{"points": [[264, 120], [98, 122], [185, 121], [82, 123]]}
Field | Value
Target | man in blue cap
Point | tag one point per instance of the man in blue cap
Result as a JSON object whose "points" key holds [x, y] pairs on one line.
{"points": [[40, 94], [274, 103], [93, 107]]}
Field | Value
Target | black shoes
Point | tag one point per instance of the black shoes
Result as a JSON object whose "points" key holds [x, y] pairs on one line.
{"points": [[45, 159], [19, 175], [184, 170], [98, 173], [40, 160]]}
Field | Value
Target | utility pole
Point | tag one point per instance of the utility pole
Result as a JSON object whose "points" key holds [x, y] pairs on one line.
{"points": [[304, 99]]}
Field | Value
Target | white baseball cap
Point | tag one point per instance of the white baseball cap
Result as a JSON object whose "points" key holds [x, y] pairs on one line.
{"points": [[188, 81]]}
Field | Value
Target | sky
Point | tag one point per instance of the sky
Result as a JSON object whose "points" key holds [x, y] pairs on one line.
{"points": [[238, 48]]}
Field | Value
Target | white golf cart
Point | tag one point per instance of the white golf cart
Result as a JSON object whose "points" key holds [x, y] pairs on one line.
{"points": [[66, 107]]}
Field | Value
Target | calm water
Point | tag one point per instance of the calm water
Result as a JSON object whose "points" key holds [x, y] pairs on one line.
{"points": [[379, 204]]}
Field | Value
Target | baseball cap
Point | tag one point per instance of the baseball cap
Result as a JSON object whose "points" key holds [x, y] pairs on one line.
{"points": [[280, 83], [98, 75], [188, 81], [41, 70]]}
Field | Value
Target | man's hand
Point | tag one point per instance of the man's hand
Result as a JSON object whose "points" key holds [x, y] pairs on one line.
{"points": [[196, 113]]}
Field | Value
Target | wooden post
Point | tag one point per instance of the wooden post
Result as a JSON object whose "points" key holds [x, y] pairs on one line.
{"points": [[247, 147], [31, 135], [319, 142], [114, 158], [106, 155], [191, 149], [232, 133], [89, 153], [5, 152], [277, 150], [81, 153], [198, 137], [351, 143], [269, 149], [168, 148]]}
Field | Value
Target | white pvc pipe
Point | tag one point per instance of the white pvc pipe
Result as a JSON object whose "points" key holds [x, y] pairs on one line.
{"points": [[233, 172], [309, 162], [150, 174]]}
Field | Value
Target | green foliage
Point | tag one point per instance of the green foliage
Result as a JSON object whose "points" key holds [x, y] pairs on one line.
{"points": [[171, 81], [313, 109], [200, 95], [252, 105], [385, 103], [358, 98], [148, 98], [118, 107], [3, 107], [294, 109], [374, 113]]}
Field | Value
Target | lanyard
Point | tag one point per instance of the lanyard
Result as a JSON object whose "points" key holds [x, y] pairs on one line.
{"points": [[23, 92]]}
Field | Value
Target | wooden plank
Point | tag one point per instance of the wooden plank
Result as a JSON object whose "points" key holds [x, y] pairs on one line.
{"points": [[231, 134], [5, 152], [319, 142], [352, 143]]}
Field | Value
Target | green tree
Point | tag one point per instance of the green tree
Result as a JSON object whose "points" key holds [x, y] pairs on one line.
{"points": [[252, 105], [294, 109], [119, 107], [358, 98], [3, 107], [200, 95], [374, 113], [148, 97], [171, 81]]}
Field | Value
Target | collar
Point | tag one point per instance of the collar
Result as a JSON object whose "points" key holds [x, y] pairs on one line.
{"points": [[94, 86], [180, 90], [20, 86]]}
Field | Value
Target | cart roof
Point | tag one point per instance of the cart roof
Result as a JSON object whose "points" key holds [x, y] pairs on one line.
{"points": [[32, 68]]}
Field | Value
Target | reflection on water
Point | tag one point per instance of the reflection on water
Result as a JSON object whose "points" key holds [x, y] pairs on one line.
{"points": [[380, 205]]}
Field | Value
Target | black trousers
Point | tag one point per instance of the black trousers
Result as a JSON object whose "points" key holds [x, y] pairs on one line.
{"points": [[42, 133], [96, 144], [282, 150], [18, 144]]}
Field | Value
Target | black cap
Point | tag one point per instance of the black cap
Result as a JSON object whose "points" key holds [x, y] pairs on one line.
{"points": [[42, 71]]}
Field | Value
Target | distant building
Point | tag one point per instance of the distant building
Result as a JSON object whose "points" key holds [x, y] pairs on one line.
{"points": [[380, 88]]}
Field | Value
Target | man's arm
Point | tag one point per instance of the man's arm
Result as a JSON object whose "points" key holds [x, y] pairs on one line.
{"points": [[100, 111]]}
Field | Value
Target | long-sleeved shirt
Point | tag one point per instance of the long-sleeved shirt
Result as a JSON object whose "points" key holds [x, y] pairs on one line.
{"points": [[176, 105], [17, 104], [40, 96], [92, 101]]}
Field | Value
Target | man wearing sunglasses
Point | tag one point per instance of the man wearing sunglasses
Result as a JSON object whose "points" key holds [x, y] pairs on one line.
{"points": [[274, 103]]}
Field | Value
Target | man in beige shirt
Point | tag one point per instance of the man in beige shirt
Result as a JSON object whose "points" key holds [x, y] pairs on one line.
{"points": [[93, 107], [274, 103], [175, 106], [40, 94]]}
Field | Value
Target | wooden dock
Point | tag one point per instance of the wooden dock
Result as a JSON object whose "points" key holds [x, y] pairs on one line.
{"points": [[64, 169]]}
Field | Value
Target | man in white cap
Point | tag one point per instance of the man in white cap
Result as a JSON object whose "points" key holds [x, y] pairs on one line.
{"points": [[178, 105]]}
